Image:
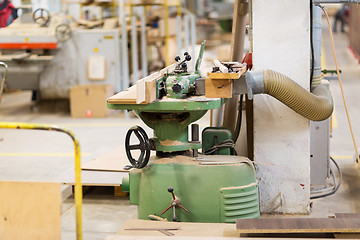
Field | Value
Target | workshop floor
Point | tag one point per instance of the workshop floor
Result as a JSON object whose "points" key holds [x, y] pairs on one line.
{"points": [[43, 156]]}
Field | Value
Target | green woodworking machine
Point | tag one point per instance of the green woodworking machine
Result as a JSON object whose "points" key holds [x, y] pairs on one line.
{"points": [[179, 183]]}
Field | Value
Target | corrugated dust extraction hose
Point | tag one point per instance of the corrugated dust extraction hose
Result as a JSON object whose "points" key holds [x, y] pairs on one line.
{"points": [[315, 106]]}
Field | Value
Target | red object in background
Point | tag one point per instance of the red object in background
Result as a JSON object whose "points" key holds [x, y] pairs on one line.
{"points": [[26, 45], [355, 54], [6, 9], [88, 113], [248, 60]]}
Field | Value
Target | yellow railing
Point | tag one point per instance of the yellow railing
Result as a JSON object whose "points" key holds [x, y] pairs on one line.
{"points": [[78, 186]]}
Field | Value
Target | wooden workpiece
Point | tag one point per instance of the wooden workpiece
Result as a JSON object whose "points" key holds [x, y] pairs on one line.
{"points": [[298, 225], [144, 92], [185, 229], [218, 88], [30, 210], [220, 84]]}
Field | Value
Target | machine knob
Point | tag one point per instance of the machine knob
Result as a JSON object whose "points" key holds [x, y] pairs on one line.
{"points": [[177, 88]]}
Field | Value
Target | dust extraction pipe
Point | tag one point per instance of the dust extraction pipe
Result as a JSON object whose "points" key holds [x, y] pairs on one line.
{"points": [[316, 105]]}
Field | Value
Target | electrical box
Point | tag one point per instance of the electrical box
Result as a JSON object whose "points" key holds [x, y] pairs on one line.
{"points": [[99, 44], [212, 136]]}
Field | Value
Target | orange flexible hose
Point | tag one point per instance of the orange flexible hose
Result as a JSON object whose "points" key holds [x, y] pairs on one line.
{"points": [[341, 87]]}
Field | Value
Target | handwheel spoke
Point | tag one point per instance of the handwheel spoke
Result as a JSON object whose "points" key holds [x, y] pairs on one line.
{"points": [[133, 147], [138, 136], [141, 156]]}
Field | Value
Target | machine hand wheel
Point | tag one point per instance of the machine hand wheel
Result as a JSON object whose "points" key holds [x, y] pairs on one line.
{"points": [[143, 146], [41, 16], [63, 32]]}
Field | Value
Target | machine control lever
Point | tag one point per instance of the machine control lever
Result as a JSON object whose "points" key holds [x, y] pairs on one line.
{"points": [[182, 66], [175, 202]]}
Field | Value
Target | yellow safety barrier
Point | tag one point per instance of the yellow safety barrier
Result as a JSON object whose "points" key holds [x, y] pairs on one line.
{"points": [[2, 86], [78, 186]]}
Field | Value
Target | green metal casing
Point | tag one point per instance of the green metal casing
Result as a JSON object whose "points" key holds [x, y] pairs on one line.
{"points": [[212, 193], [185, 81], [170, 118]]}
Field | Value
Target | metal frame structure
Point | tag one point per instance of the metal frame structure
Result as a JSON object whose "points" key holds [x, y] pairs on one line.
{"points": [[44, 127]]}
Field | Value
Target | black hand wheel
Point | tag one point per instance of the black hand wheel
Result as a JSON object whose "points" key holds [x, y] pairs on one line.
{"points": [[41, 16], [143, 146]]}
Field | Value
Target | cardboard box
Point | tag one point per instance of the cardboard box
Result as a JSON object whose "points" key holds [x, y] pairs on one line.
{"points": [[90, 100]]}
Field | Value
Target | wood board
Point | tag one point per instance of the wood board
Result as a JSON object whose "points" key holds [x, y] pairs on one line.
{"points": [[347, 215], [186, 229], [94, 178], [127, 96], [129, 237], [140, 91], [30, 210], [347, 235], [298, 225], [143, 92], [114, 160]]}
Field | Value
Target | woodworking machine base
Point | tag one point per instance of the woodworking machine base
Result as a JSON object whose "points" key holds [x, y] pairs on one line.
{"points": [[203, 189]]}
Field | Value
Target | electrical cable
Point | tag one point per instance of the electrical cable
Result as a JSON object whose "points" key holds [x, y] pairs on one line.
{"points": [[340, 83], [311, 44], [329, 188], [224, 144], [239, 120], [337, 186]]}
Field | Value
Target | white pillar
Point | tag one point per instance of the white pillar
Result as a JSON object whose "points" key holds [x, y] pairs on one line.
{"points": [[282, 137]]}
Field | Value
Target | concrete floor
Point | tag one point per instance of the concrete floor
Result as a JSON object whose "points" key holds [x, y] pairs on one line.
{"points": [[43, 156]]}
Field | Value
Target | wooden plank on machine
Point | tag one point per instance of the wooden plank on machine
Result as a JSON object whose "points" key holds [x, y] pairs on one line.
{"points": [[30, 210], [150, 87], [140, 91], [222, 68], [218, 88], [147, 88], [298, 225], [124, 97], [168, 69]]}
